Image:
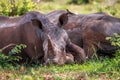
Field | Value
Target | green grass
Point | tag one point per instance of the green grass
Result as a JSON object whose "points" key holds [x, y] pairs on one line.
{"points": [[82, 9], [91, 70]]}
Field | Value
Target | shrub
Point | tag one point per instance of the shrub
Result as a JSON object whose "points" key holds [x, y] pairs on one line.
{"points": [[15, 7], [115, 40], [48, 0], [8, 60], [78, 1]]}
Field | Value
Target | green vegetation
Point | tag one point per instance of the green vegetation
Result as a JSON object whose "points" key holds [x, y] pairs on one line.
{"points": [[115, 40], [10, 58], [103, 69], [15, 7], [78, 1], [91, 70], [92, 7]]}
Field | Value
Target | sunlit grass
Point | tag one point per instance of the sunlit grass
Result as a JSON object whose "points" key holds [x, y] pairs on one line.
{"points": [[91, 70], [80, 9]]}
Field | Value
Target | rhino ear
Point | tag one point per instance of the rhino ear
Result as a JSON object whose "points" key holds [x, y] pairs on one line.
{"points": [[37, 23], [63, 19]]}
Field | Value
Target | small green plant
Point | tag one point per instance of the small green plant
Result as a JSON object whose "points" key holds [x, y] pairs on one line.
{"points": [[115, 40], [11, 58], [15, 7]]}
